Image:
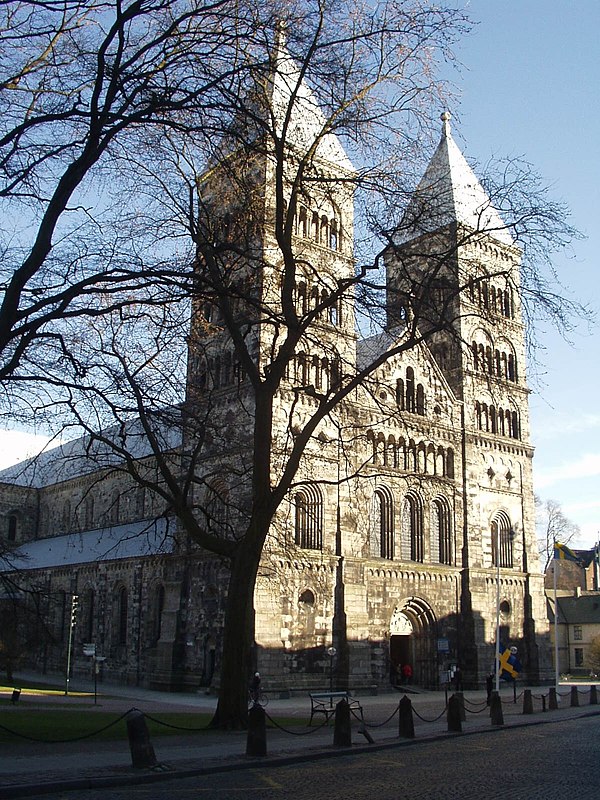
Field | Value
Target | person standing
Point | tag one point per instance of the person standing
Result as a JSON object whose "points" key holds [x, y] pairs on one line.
{"points": [[407, 673]]}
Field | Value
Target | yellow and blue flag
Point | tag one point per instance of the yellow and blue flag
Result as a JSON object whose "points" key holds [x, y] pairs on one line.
{"points": [[563, 553], [510, 666]]}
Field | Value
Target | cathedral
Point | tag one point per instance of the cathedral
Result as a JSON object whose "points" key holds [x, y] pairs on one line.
{"points": [[409, 534]]}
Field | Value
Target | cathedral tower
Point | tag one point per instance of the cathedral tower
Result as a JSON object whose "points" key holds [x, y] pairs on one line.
{"points": [[455, 274]]}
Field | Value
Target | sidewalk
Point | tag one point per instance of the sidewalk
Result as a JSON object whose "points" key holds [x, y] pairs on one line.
{"points": [[30, 768]]}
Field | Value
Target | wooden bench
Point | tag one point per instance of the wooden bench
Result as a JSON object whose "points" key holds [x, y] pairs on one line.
{"points": [[325, 703]]}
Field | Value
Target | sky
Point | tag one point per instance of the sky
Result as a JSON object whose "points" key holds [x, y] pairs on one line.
{"points": [[528, 87]]}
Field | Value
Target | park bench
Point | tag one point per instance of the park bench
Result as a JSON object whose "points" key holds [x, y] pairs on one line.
{"points": [[325, 703]]}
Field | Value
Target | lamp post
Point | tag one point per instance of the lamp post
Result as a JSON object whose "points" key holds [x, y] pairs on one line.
{"points": [[72, 624], [331, 651]]}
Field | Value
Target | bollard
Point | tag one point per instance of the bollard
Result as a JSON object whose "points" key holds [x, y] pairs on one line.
{"points": [[454, 718], [496, 714], [342, 733], [461, 700], [543, 702], [527, 702], [574, 697], [406, 724], [256, 739], [593, 696], [142, 752], [17, 694], [552, 701]]}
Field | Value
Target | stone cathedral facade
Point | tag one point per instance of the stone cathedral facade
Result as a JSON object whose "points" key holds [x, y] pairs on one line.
{"points": [[410, 533]]}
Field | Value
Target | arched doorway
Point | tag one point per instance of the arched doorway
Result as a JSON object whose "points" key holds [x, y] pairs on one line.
{"points": [[412, 640]]}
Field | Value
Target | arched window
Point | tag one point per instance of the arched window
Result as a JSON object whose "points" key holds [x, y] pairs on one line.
{"points": [[420, 399], [316, 371], [140, 502], [158, 604], [333, 236], [90, 611], [400, 394], [302, 223], [307, 598], [301, 299], [382, 524], [450, 463], [502, 537], [308, 518], [122, 616], [315, 226], [12, 528], [66, 516], [512, 368], [333, 314], [372, 442], [115, 507], [412, 528], [441, 532], [324, 238], [89, 512]]}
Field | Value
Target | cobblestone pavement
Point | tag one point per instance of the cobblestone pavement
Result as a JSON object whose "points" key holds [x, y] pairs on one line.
{"points": [[550, 762], [27, 770]]}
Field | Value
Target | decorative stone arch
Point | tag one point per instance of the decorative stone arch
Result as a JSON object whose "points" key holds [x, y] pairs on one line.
{"points": [[413, 626]]}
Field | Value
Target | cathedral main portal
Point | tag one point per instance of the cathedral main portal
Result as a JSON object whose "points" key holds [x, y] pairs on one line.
{"points": [[412, 643]]}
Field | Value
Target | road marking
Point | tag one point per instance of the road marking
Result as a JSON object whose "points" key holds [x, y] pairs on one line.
{"points": [[270, 782]]}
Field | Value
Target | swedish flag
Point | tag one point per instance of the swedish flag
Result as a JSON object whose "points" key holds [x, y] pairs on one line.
{"points": [[563, 553], [510, 666]]}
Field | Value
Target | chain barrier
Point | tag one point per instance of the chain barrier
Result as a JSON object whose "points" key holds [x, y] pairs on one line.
{"points": [[174, 727], [74, 739], [467, 702], [479, 711], [296, 733], [435, 719], [471, 703], [375, 724]]}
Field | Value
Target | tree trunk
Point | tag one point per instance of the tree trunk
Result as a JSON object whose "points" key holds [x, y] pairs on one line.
{"points": [[238, 639]]}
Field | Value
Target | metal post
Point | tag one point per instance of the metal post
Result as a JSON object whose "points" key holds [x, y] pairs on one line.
{"points": [[72, 623], [497, 656], [331, 651], [95, 667]]}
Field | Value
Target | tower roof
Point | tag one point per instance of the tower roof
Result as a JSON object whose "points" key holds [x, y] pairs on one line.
{"points": [[307, 122], [448, 192]]}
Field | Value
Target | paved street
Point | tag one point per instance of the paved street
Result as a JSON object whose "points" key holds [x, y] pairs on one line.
{"points": [[554, 761]]}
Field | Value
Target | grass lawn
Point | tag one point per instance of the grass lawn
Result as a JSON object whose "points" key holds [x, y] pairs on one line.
{"points": [[51, 725]]}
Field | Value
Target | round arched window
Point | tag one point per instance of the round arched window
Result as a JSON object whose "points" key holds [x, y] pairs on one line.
{"points": [[307, 598], [505, 608]]}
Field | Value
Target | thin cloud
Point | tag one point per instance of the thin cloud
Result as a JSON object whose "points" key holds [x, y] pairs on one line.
{"points": [[555, 426], [586, 466]]}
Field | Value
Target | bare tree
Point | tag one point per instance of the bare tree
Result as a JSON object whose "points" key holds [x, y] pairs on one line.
{"points": [[553, 526], [81, 85], [223, 422]]}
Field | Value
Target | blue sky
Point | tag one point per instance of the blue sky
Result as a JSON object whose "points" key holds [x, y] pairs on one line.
{"points": [[529, 87]]}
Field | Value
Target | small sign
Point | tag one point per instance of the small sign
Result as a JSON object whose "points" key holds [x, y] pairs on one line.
{"points": [[443, 645]]}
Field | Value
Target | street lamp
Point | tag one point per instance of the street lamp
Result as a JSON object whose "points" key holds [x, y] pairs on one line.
{"points": [[331, 651]]}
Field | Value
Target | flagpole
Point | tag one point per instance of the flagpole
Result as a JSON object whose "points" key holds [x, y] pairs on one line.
{"points": [[556, 672], [497, 664]]}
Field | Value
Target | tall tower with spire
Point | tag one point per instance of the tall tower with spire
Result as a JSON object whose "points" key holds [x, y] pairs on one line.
{"points": [[454, 272]]}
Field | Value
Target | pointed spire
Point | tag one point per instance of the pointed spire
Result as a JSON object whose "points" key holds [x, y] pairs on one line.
{"points": [[307, 120], [446, 116], [449, 192]]}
